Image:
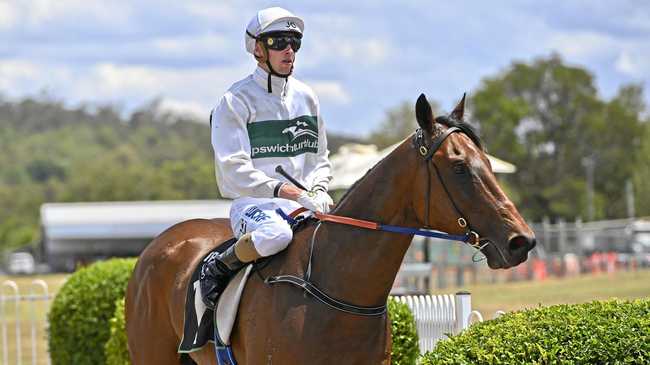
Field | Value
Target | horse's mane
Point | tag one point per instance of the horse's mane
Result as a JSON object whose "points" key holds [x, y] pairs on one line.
{"points": [[470, 131], [448, 121]]}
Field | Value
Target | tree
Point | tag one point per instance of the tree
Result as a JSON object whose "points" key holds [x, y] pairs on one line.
{"points": [[642, 175], [547, 118]]}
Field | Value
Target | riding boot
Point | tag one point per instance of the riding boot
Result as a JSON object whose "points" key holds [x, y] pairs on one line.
{"points": [[217, 272]]}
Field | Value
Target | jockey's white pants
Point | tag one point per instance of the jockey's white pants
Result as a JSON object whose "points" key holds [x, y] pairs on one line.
{"points": [[269, 231]]}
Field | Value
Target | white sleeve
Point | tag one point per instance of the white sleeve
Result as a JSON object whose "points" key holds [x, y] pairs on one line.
{"points": [[321, 174], [236, 175]]}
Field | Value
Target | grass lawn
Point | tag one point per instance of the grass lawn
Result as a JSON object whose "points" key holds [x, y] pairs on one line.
{"points": [[487, 298]]}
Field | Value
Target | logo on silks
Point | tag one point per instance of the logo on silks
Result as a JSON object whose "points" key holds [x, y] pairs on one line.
{"points": [[300, 129], [283, 138]]}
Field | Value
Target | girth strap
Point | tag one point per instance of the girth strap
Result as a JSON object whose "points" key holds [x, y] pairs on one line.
{"points": [[326, 299]]}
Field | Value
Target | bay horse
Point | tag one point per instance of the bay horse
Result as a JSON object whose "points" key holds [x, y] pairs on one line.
{"points": [[435, 179]]}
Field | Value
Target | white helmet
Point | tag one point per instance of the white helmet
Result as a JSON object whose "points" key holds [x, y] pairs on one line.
{"points": [[271, 20]]}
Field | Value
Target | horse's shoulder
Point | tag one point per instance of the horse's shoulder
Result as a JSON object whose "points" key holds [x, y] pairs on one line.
{"points": [[294, 259], [187, 240]]}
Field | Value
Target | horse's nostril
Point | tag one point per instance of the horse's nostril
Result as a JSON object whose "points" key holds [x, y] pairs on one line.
{"points": [[519, 242]]}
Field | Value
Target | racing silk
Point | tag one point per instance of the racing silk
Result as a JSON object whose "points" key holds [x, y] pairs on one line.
{"points": [[253, 131]]}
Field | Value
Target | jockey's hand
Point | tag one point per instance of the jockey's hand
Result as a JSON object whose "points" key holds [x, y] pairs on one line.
{"points": [[325, 197], [316, 201]]}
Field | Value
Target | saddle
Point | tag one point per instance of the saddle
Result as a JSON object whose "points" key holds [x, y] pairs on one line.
{"points": [[202, 324]]}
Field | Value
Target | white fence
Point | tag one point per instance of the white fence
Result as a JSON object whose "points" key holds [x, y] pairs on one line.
{"points": [[436, 316], [10, 296]]}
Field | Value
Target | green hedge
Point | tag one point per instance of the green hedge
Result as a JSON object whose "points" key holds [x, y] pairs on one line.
{"points": [[116, 349], [405, 337], [80, 314], [610, 332]]}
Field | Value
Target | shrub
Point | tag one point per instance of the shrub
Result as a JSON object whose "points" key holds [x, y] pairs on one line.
{"points": [[610, 332], [116, 349], [405, 337], [80, 314]]}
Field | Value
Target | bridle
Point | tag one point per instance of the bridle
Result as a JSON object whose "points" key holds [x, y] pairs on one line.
{"points": [[427, 153]]}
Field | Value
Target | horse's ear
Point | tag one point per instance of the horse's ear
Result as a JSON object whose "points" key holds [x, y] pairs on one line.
{"points": [[459, 110], [424, 114]]}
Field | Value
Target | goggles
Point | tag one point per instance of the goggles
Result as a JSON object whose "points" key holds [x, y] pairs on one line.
{"points": [[279, 42]]}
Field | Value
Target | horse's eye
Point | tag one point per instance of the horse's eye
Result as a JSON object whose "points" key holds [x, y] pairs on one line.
{"points": [[460, 168]]}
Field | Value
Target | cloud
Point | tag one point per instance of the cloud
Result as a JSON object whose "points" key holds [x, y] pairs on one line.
{"points": [[216, 12], [582, 44], [20, 77], [625, 65], [166, 51], [191, 45], [200, 85], [186, 108], [330, 92], [130, 86], [44, 13], [634, 63], [7, 15], [343, 51], [629, 56], [16, 69]]}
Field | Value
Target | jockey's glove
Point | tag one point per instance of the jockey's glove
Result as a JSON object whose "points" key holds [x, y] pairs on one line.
{"points": [[316, 201]]}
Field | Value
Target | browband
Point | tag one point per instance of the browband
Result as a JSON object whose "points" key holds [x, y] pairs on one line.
{"points": [[427, 152]]}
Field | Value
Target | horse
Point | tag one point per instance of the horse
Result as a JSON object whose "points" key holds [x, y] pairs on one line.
{"points": [[440, 178]]}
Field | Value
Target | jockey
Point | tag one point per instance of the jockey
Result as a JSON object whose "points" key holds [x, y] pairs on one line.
{"points": [[265, 120]]}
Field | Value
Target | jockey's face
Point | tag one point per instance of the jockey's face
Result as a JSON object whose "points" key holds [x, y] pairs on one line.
{"points": [[281, 60]]}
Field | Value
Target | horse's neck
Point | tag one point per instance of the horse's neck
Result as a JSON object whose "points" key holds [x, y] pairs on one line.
{"points": [[359, 265]]}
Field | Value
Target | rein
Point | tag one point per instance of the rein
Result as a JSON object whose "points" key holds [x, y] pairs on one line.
{"points": [[470, 237]]}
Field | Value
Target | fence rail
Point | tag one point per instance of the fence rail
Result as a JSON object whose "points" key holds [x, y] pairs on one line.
{"points": [[437, 316], [10, 293]]}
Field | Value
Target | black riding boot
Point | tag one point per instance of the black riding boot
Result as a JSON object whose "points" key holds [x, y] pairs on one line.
{"points": [[216, 273]]}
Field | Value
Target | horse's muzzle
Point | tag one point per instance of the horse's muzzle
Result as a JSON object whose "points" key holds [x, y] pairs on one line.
{"points": [[520, 244]]}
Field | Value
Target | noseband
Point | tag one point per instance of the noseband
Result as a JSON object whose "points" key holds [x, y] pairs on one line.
{"points": [[427, 153]]}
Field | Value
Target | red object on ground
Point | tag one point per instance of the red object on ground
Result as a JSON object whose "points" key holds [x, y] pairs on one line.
{"points": [[539, 269]]}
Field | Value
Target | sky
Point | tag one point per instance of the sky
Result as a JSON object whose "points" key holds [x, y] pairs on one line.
{"points": [[361, 59]]}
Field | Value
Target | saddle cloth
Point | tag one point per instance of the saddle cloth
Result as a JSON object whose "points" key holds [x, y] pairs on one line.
{"points": [[200, 321]]}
